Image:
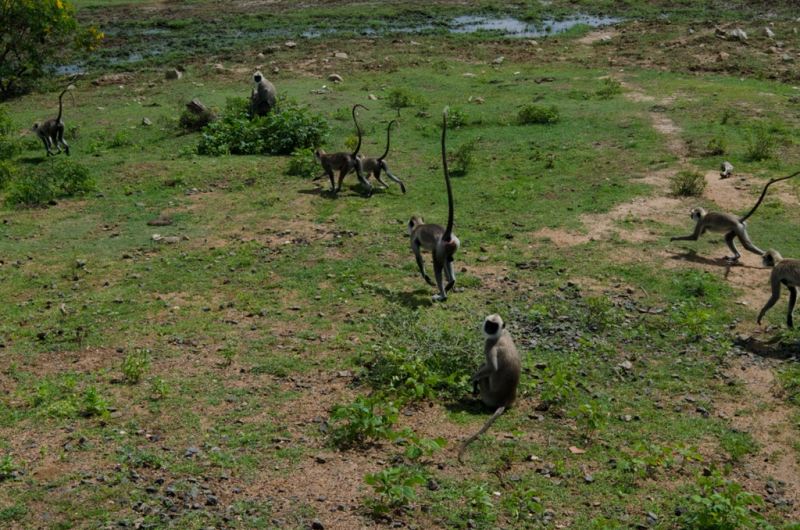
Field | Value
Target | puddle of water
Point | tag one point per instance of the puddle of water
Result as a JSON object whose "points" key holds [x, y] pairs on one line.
{"points": [[517, 28], [68, 69], [131, 59], [156, 32]]}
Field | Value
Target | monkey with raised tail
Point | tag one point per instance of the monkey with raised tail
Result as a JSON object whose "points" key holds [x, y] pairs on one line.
{"points": [[51, 132]]}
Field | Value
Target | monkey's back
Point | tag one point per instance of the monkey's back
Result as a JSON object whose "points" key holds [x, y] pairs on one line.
{"points": [[500, 388], [428, 234], [719, 222], [787, 270]]}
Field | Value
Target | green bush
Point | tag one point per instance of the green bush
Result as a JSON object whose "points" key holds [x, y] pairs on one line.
{"points": [[9, 147], [717, 145], [721, 504], [302, 164], [7, 172], [760, 145], [457, 117], [400, 98], [189, 121], [611, 88], [279, 133], [535, 114], [135, 365], [464, 158], [64, 178], [687, 183]]}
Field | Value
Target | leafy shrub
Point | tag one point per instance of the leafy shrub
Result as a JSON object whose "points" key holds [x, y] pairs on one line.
{"points": [[302, 164], [351, 142], [395, 486], [159, 388], [464, 158], [600, 313], [342, 114], [9, 146], [93, 403], [189, 121], [720, 504], [687, 183], [535, 114], [7, 466], [279, 133], [717, 145], [400, 98], [120, 139], [366, 417], [591, 416], [760, 145], [7, 172], [611, 88], [135, 365], [457, 117], [69, 178], [30, 187], [790, 381], [15, 512], [579, 95], [64, 178], [738, 443]]}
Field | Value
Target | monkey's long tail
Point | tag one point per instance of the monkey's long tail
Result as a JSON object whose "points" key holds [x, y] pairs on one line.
{"points": [[388, 137], [489, 423], [358, 147], [449, 231], [763, 193]]}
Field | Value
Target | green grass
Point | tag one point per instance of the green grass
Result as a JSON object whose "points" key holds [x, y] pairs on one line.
{"points": [[315, 299]]}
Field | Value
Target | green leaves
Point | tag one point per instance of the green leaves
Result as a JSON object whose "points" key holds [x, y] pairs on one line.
{"points": [[395, 486]]}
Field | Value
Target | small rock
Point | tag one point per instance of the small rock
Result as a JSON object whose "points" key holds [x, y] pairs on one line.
{"points": [[541, 366], [174, 74], [727, 170], [161, 220], [433, 485], [627, 365], [340, 55], [372, 97], [336, 78], [289, 44], [680, 511], [479, 101], [588, 478], [276, 70], [320, 459], [219, 68], [146, 122], [316, 524], [690, 32], [738, 34], [606, 38], [788, 58], [469, 75], [723, 56], [769, 33], [499, 60]]}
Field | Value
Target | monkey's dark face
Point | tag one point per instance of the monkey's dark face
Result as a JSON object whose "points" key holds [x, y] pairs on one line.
{"points": [[257, 78], [493, 326], [698, 214], [770, 258]]}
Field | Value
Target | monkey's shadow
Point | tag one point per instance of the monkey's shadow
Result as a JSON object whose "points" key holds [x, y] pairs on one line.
{"points": [[691, 256], [413, 300], [37, 160], [325, 192], [784, 345], [471, 405]]}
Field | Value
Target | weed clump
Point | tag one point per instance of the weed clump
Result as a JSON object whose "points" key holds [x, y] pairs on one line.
{"points": [[302, 164], [400, 98], [535, 114], [760, 146], [687, 183], [65, 178], [611, 87], [457, 117], [463, 158], [278, 133]]}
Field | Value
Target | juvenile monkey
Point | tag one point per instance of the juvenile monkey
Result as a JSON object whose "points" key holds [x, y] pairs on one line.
{"points": [[262, 97], [498, 376], [786, 272], [728, 224], [374, 165], [438, 240], [52, 131], [343, 162]]}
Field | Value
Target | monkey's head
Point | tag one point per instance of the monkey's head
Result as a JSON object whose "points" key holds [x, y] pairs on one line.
{"points": [[493, 327], [318, 154], [697, 214], [414, 222], [258, 77], [771, 258]]}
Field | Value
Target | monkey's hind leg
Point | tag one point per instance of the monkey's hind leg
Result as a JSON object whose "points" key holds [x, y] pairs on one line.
{"points": [[46, 140], [792, 302], [437, 271], [364, 182], [420, 263], [729, 237], [377, 174], [745, 239], [449, 274], [61, 139], [386, 169]]}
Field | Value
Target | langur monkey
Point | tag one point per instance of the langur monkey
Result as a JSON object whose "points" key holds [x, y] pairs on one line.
{"points": [[786, 272], [438, 240], [344, 162], [373, 165], [498, 377], [262, 97], [728, 224], [52, 131]]}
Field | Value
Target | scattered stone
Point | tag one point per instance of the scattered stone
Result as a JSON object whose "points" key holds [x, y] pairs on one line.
{"points": [[173, 74], [219, 68], [372, 97], [340, 55], [723, 56], [276, 70], [680, 511], [588, 478], [627, 365], [469, 75], [336, 78], [191, 451], [788, 58], [479, 101], [605, 38], [161, 220], [433, 485], [690, 32], [738, 34], [316, 524], [499, 60], [320, 459], [769, 33], [727, 170], [146, 122], [290, 44]]}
